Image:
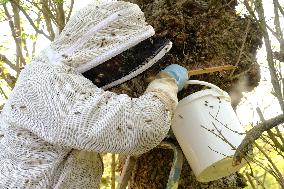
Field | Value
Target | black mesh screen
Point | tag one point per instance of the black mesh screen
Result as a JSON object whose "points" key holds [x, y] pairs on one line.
{"points": [[126, 62]]}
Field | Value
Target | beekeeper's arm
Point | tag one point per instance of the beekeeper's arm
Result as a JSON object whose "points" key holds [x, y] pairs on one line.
{"points": [[108, 122], [97, 120]]}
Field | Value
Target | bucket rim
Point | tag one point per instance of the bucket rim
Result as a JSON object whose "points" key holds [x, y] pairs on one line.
{"points": [[200, 94], [203, 175]]}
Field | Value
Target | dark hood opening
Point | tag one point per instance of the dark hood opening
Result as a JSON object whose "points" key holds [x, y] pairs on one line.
{"points": [[127, 62]]}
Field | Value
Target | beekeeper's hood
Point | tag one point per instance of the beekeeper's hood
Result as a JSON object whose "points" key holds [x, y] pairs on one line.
{"points": [[97, 33]]}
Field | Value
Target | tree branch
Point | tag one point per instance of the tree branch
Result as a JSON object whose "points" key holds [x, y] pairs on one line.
{"points": [[271, 65], [12, 28], [253, 135], [270, 133], [2, 92], [263, 26], [70, 10], [279, 176], [280, 8], [36, 35], [244, 39], [17, 27], [60, 15], [44, 6], [46, 14], [7, 61], [8, 80], [30, 20], [277, 21]]}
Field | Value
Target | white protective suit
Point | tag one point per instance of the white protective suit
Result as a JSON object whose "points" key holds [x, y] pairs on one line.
{"points": [[56, 122]]}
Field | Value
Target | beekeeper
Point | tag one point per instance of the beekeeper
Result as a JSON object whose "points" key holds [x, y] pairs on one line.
{"points": [[56, 121]]}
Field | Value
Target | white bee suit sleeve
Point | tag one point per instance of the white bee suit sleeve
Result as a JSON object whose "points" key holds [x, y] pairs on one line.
{"points": [[66, 109]]}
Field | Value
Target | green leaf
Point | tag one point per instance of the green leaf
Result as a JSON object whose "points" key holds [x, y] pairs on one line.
{"points": [[24, 36], [33, 37]]}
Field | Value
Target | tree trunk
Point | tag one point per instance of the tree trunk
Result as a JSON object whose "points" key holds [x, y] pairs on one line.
{"points": [[204, 34]]}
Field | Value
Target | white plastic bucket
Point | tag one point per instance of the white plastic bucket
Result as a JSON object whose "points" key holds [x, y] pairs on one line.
{"points": [[208, 132]]}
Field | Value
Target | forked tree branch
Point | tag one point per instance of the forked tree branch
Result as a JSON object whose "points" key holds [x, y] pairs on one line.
{"points": [[253, 135], [30, 20]]}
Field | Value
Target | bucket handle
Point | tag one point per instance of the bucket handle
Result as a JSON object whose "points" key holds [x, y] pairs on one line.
{"points": [[197, 82]]}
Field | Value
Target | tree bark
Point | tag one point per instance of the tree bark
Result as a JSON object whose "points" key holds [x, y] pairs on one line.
{"points": [[204, 34]]}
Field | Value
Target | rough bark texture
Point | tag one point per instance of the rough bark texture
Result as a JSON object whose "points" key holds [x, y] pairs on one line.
{"points": [[204, 34]]}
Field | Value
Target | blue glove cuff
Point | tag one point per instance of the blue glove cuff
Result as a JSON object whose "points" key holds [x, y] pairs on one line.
{"points": [[179, 73]]}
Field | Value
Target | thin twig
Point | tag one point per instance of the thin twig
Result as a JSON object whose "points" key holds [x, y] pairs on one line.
{"points": [[4, 59], [36, 35], [8, 81], [42, 9], [70, 11], [270, 133], [276, 20], [20, 60], [264, 138], [279, 175], [279, 135], [250, 181], [25, 46], [48, 20], [280, 8], [30, 20], [2, 91], [113, 163], [272, 69], [242, 47], [254, 134], [263, 26], [12, 28]]}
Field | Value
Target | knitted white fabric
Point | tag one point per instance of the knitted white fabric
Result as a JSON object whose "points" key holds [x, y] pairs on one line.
{"points": [[56, 121], [98, 33]]}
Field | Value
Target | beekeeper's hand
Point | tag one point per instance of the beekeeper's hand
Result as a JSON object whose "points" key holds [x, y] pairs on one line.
{"points": [[167, 83], [179, 73]]}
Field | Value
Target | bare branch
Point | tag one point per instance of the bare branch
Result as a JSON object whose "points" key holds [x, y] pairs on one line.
{"points": [[44, 6], [2, 92], [242, 47], [7, 61], [60, 15], [30, 20], [8, 80], [36, 35], [271, 65], [280, 8], [263, 26], [12, 28], [113, 165], [276, 20], [270, 133], [46, 14], [70, 10], [250, 181], [265, 139], [279, 176], [279, 135], [254, 134], [25, 45]]}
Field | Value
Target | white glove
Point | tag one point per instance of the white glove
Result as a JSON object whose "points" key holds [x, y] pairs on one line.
{"points": [[166, 89]]}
